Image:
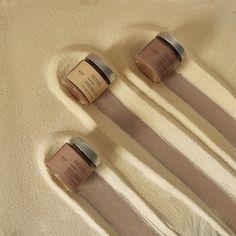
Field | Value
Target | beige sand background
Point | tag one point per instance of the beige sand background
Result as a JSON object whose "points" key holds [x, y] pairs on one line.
{"points": [[40, 41]]}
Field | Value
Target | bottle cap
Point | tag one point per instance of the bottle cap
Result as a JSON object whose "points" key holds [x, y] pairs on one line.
{"points": [[173, 42], [102, 66], [86, 149]]}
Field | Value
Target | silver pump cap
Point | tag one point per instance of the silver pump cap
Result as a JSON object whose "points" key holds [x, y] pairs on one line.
{"points": [[173, 42], [102, 66], [86, 149]]}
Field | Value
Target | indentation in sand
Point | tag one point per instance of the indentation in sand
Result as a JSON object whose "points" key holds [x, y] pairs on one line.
{"points": [[161, 96], [52, 143], [60, 65]]}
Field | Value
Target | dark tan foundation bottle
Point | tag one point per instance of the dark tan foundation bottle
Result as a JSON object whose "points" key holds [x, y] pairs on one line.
{"points": [[73, 163], [160, 57]]}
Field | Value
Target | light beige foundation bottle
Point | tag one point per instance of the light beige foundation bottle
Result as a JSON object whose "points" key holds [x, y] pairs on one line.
{"points": [[89, 79], [160, 57], [73, 163]]}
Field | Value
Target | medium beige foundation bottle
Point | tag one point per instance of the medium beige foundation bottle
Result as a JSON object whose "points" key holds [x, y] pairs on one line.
{"points": [[73, 163], [160, 57], [89, 79]]}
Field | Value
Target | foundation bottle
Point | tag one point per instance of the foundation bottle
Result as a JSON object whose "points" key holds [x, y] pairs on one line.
{"points": [[89, 79], [73, 163], [160, 57]]}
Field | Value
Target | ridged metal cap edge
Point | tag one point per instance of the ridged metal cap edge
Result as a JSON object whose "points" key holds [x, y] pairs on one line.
{"points": [[173, 42], [86, 149], [102, 66]]}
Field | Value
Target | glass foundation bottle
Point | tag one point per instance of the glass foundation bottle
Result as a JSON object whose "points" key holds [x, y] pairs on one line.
{"points": [[160, 57], [89, 79], [73, 163]]}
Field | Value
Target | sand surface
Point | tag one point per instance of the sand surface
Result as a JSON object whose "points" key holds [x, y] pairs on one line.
{"points": [[41, 41]]}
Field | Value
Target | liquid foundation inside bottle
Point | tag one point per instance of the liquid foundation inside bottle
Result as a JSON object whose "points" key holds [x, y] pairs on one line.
{"points": [[160, 57], [73, 163], [89, 79]]}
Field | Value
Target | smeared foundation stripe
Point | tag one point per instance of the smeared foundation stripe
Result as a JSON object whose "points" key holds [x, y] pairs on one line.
{"points": [[113, 208], [223, 122], [170, 157]]}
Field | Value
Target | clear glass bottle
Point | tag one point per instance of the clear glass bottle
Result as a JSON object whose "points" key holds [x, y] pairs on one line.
{"points": [[160, 57], [73, 163], [89, 79]]}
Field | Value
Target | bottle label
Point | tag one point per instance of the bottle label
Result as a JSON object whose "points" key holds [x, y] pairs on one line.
{"points": [[87, 80]]}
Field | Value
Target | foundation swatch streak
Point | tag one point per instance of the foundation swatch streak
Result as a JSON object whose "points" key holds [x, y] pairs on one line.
{"points": [[170, 157], [223, 122], [113, 208]]}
